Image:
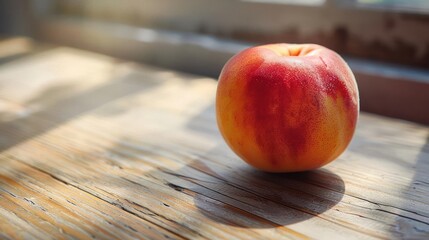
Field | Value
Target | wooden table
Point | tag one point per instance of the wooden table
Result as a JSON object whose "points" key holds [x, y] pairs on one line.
{"points": [[93, 147]]}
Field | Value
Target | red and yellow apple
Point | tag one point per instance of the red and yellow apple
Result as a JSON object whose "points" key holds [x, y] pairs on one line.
{"points": [[287, 107]]}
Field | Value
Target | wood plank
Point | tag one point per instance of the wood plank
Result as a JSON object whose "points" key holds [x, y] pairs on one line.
{"points": [[140, 144], [56, 210]]}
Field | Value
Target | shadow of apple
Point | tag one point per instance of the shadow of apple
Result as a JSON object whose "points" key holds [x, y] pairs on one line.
{"points": [[249, 198]]}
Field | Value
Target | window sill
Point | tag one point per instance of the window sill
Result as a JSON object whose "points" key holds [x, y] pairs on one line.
{"points": [[385, 89]]}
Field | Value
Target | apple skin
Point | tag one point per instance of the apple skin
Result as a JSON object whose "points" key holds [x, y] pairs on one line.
{"points": [[287, 107]]}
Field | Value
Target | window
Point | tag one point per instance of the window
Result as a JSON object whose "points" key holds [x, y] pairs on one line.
{"points": [[410, 6]]}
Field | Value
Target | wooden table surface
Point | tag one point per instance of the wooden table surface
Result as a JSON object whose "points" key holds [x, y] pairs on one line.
{"points": [[92, 147]]}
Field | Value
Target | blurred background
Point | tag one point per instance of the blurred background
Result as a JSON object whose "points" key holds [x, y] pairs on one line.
{"points": [[386, 42]]}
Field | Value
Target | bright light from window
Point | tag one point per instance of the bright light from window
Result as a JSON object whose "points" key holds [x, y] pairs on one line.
{"points": [[417, 6], [292, 2]]}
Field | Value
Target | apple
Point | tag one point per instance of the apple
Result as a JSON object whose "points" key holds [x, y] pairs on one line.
{"points": [[287, 107]]}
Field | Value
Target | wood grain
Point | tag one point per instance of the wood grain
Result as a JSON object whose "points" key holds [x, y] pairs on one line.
{"points": [[97, 148]]}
